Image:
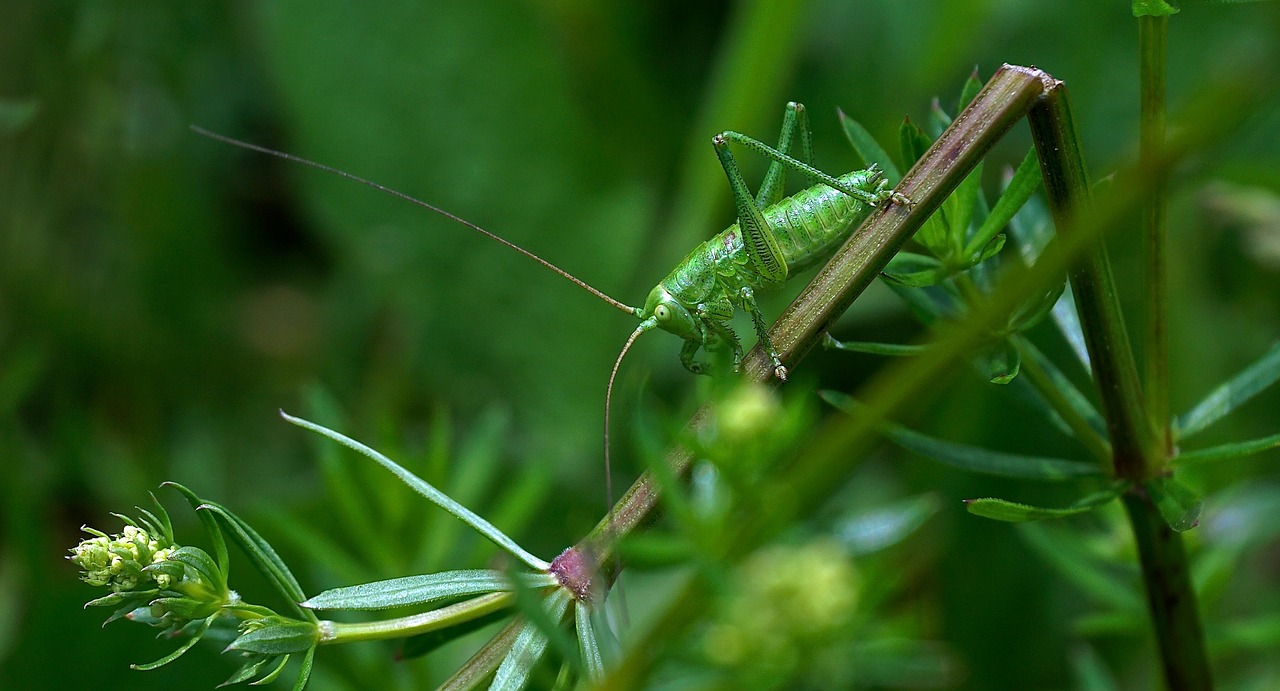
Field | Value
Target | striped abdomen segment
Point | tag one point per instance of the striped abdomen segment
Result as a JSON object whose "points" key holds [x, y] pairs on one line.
{"points": [[811, 224]]}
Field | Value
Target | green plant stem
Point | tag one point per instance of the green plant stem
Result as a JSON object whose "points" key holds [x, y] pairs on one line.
{"points": [[1172, 600], [1152, 32], [1084, 432], [1170, 595], [414, 624], [1066, 182]]}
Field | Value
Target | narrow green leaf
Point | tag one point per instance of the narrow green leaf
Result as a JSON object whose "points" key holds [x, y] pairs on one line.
{"points": [[1179, 505], [592, 660], [528, 647], [971, 458], [274, 674], [1227, 452], [247, 671], [1025, 181], [876, 529], [188, 645], [210, 525], [867, 148], [1077, 401], [892, 349], [959, 209], [913, 140], [432, 494], [304, 674], [484, 661], [970, 90], [421, 590], [1232, 393], [1013, 512], [991, 249], [1000, 363], [1100, 577], [263, 556], [939, 120], [279, 636], [914, 270], [1033, 311]]}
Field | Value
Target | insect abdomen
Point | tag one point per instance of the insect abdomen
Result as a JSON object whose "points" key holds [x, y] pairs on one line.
{"points": [[808, 226], [811, 224]]}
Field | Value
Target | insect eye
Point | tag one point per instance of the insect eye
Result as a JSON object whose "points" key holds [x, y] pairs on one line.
{"points": [[661, 312]]}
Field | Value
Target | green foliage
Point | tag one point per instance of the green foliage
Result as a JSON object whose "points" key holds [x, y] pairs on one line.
{"points": [[158, 294]]}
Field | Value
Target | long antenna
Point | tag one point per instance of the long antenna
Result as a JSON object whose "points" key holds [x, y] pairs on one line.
{"points": [[413, 200], [610, 532]]}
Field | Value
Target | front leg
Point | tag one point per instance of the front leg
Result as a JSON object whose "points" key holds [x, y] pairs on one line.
{"points": [[713, 315], [748, 298]]}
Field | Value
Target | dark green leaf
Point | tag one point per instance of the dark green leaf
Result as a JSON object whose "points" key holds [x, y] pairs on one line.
{"points": [[263, 556], [1091, 671], [304, 673], [247, 671], [432, 494], [991, 249], [1232, 393], [1013, 512], [275, 673], [1179, 505], [277, 636], [1227, 452], [892, 349], [420, 590], [958, 210], [195, 638], [211, 527], [1025, 181], [914, 142], [1000, 362], [1074, 554], [1034, 310], [867, 148], [971, 458], [914, 270]]}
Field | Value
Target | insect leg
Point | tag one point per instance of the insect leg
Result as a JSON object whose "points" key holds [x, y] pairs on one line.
{"points": [[757, 237], [794, 119], [813, 173], [748, 298]]}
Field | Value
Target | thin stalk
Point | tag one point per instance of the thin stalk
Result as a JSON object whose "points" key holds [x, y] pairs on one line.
{"points": [[414, 624], [1136, 458], [1152, 32]]}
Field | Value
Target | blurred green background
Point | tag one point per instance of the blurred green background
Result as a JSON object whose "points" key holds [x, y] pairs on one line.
{"points": [[161, 294]]}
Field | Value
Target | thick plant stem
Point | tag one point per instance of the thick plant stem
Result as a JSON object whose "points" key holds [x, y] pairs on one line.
{"points": [[1151, 46], [1066, 183], [1170, 595], [1174, 613]]}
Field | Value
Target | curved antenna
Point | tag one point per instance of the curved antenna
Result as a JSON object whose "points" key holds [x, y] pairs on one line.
{"points": [[413, 200], [608, 401]]}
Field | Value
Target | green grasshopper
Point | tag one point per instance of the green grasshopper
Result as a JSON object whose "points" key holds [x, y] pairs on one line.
{"points": [[774, 238]]}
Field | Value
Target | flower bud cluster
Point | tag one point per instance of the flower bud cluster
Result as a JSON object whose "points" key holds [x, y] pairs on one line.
{"points": [[119, 560]]}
